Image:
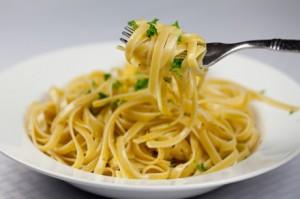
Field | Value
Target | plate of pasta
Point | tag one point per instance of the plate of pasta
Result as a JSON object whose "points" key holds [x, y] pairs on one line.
{"points": [[147, 119]]}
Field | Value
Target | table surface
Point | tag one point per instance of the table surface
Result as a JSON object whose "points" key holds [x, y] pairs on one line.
{"points": [[31, 27]]}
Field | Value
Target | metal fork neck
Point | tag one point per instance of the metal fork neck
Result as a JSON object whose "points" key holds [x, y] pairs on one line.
{"points": [[273, 44]]}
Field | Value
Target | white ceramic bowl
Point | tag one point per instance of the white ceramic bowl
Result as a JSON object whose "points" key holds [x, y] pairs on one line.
{"points": [[28, 81]]}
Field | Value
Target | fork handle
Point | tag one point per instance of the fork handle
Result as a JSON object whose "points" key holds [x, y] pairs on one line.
{"points": [[274, 44]]}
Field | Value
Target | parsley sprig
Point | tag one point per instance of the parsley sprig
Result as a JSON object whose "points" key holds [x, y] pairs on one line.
{"points": [[141, 84], [154, 21], [116, 103], [133, 24], [106, 76], [102, 95], [117, 84], [179, 39], [201, 167], [94, 84], [176, 24], [151, 31], [176, 66]]}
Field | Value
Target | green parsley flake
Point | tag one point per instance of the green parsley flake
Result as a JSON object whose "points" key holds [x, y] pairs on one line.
{"points": [[94, 84], [151, 31], [176, 24], [201, 167], [117, 103], [176, 66], [179, 39], [102, 95], [141, 84], [133, 24], [107, 76], [117, 84], [291, 112], [154, 21]]}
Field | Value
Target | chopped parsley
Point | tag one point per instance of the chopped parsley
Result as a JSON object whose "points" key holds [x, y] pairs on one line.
{"points": [[176, 24], [133, 24], [176, 66], [154, 21], [94, 84], [179, 39], [117, 103], [117, 84], [151, 31], [141, 84], [291, 112], [102, 95], [89, 91], [107, 76], [201, 167]]}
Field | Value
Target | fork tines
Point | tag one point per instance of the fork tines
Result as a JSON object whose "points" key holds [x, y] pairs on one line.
{"points": [[129, 29], [127, 33], [123, 40]]}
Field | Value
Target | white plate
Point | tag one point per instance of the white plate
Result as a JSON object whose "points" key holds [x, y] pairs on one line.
{"points": [[28, 81]]}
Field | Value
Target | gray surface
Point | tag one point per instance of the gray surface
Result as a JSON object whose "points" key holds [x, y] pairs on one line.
{"points": [[32, 27]]}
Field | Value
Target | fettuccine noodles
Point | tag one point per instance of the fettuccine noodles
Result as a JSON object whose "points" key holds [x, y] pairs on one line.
{"points": [[155, 118]]}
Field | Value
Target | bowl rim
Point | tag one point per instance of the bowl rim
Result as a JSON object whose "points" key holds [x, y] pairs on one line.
{"points": [[68, 178]]}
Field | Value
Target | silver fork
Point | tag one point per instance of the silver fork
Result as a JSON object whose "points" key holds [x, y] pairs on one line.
{"points": [[217, 51]]}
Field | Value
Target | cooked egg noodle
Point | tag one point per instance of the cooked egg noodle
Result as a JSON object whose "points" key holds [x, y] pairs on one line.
{"points": [[180, 121]]}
